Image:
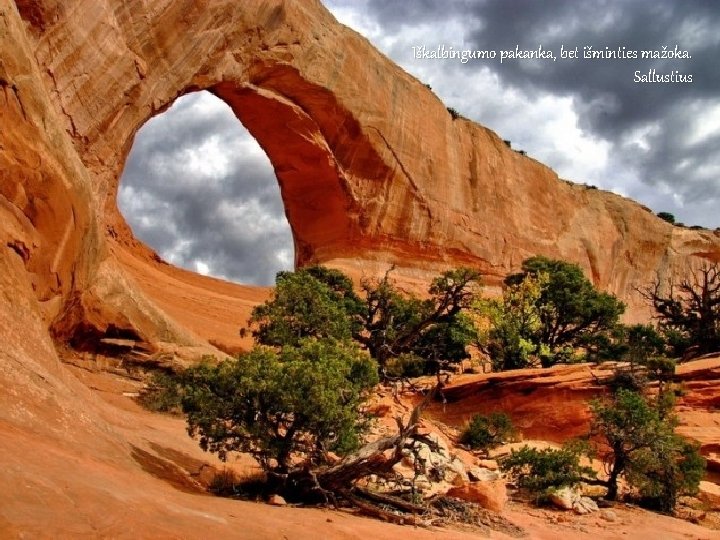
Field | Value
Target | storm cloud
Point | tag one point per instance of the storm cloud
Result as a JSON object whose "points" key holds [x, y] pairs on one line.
{"points": [[199, 190], [587, 118]]}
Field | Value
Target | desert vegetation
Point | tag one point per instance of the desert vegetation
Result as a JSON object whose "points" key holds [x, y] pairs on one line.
{"points": [[689, 312], [542, 471], [400, 331], [486, 432], [297, 401], [633, 435], [549, 313]]}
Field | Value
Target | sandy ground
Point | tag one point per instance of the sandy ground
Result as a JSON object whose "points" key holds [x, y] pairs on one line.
{"points": [[152, 492]]}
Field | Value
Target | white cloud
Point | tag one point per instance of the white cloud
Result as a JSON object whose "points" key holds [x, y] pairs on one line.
{"points": [[705, 125], [201, 192], [202, 268]]}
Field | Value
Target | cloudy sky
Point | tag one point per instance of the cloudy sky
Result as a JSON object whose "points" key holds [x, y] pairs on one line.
{"points": [[199, 190]]}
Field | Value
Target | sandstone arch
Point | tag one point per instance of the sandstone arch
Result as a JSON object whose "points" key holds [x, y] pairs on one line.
{"points": [[372, 167]]}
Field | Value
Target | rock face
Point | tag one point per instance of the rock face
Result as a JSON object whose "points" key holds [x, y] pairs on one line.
{"points": [[553, 404], [490, 494], [370, 174]]}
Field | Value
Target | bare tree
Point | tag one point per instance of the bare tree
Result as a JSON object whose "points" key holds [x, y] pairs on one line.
{"points": [[689, 312]]}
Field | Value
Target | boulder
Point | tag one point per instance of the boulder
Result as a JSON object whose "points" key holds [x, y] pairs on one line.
{"points": [[481, 474], [567, 498], [277, 500], [608, 515], [490, 494], [710, 494]]}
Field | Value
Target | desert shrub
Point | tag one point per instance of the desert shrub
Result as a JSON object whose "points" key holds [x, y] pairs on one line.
{"points": [[666, 216], [539, 471], [405, 365], [488, 432], [286, 408], [549, 312], [641, 445], [224, 483], [320, 303], [434, 328], [643, 343], [671, 467], [569, 306], [514, 323], [626, 379], [163, 393], [312, 302]]}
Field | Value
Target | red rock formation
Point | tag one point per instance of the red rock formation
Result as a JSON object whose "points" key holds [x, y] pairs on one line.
{"points": [[545, 404], [552, 404], [370, 174]]}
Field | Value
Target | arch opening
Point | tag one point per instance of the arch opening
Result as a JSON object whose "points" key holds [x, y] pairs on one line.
{"points": [[199, 190], [317, 153]]}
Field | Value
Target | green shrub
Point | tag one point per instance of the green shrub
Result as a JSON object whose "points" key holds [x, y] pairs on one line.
{"points": [[318, 302], [672, 467], [644, 448], [549, 311], [539, 471], [312, 302], [666, 216], [627, 379], [488, 432], [163, 393], [405, 365], [286, 408], [434, 328]]}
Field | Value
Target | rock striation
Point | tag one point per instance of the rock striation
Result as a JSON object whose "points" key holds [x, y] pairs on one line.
{"points": [[552, 404]]}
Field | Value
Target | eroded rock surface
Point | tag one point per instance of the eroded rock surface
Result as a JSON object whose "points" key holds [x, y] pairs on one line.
{"points": [[552, 404], [370, 174]]}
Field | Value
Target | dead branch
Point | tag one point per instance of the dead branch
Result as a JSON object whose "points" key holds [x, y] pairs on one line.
{"points": [[372, 510], [390, 500], [371, 458]]}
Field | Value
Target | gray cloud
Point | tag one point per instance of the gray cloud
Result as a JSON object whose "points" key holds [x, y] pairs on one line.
{"points": [[610, 103], [198, 189], [645, 136]]}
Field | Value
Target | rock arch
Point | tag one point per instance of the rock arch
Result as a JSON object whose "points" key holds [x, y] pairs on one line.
{"points": [[373, 169]]}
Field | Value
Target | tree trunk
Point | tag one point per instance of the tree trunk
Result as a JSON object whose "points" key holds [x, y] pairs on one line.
{"points": [[617, 468], [371, 458]]}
